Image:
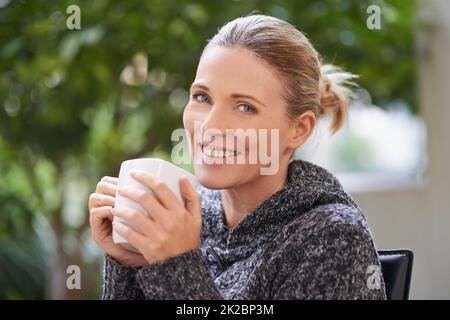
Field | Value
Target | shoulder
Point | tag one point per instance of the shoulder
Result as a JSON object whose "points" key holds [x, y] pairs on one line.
{"points": [[326, 231], [330, 252], [328, 218]]}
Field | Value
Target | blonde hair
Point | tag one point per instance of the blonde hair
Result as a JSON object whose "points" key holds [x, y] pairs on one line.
{"points": [[309, 84]]}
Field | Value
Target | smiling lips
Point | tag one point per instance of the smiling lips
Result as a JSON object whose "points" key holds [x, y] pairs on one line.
{"points": [[215, 152]]}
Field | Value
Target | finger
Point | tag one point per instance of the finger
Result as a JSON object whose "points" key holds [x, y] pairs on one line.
{"points": [[162, 192], [134, 238], [148, 201], [191, 197], [100, 200], [106, 188], [145, 225], [109, 179], [102, 212]]}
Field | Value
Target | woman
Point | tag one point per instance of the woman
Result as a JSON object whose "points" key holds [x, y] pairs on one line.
{"points": [[293, 234]]}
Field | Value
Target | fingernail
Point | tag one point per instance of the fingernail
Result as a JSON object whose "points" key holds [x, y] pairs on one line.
{"points": [[133, 173]]}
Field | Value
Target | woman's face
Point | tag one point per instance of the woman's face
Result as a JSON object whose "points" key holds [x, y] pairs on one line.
{"points": [[233, 89]]}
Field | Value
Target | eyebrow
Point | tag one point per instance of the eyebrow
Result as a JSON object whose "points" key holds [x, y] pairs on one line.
{"points": [[233, 95]]}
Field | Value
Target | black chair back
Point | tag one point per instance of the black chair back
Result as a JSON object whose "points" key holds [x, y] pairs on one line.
{"points": [[396, 267]]}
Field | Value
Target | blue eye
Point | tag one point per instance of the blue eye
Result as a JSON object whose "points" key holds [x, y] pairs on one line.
{"points": [[195, 96], [246, 108]]}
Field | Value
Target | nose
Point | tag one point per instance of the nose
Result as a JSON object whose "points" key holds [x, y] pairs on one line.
{"points": [[214, 123], [215, 118]]}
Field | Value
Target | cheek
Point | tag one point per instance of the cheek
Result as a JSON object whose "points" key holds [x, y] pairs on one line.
{"points": [[277, 138], [282, 141], [189, 118], [192, 119]]}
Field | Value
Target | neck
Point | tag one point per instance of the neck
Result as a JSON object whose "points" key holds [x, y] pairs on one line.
{"points": [[237, 202]]}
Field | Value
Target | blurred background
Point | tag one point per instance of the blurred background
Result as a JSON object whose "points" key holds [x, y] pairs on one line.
{"points": [[74, 103]]}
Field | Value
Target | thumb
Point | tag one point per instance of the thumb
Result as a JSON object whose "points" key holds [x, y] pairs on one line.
{"points": [[191, 198]]}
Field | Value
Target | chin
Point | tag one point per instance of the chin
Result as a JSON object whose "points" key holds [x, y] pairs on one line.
{"points": [[214, 178], [213, 184]]}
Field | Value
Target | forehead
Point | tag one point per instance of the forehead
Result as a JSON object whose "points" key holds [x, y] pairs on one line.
{"points": [[237, 70]]}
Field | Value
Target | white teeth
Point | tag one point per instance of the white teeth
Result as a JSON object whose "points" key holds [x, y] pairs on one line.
{"points": [[219, 153], [208, 152]]}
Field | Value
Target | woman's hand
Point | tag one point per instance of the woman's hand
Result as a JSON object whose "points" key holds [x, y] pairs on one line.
{"points": [[101, 204], [171, 228]]}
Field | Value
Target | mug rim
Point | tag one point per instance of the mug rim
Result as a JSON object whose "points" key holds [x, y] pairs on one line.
{"points": [[187, 173]]}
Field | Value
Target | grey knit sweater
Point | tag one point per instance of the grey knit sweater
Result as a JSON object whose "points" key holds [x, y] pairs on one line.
{"points": [[307, 241]]}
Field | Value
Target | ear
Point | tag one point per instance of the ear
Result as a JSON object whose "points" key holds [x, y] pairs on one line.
{"points": [[301, 128]]}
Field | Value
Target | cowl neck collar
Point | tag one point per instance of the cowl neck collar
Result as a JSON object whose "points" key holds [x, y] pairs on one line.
{"points": [[308, 186]]}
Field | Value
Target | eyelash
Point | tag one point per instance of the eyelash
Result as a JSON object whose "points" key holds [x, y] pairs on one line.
{"points": [[194, 96]]}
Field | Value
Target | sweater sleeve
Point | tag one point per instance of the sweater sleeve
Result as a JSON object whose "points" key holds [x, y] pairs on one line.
{"points": [[181, 277], [119, 282], [340, 262]]}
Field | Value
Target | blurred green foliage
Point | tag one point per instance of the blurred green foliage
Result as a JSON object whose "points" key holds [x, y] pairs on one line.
{"points": [[75, 103]]}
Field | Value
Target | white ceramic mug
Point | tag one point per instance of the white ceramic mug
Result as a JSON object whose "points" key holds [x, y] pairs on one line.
{"points": [[161, 169]]}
